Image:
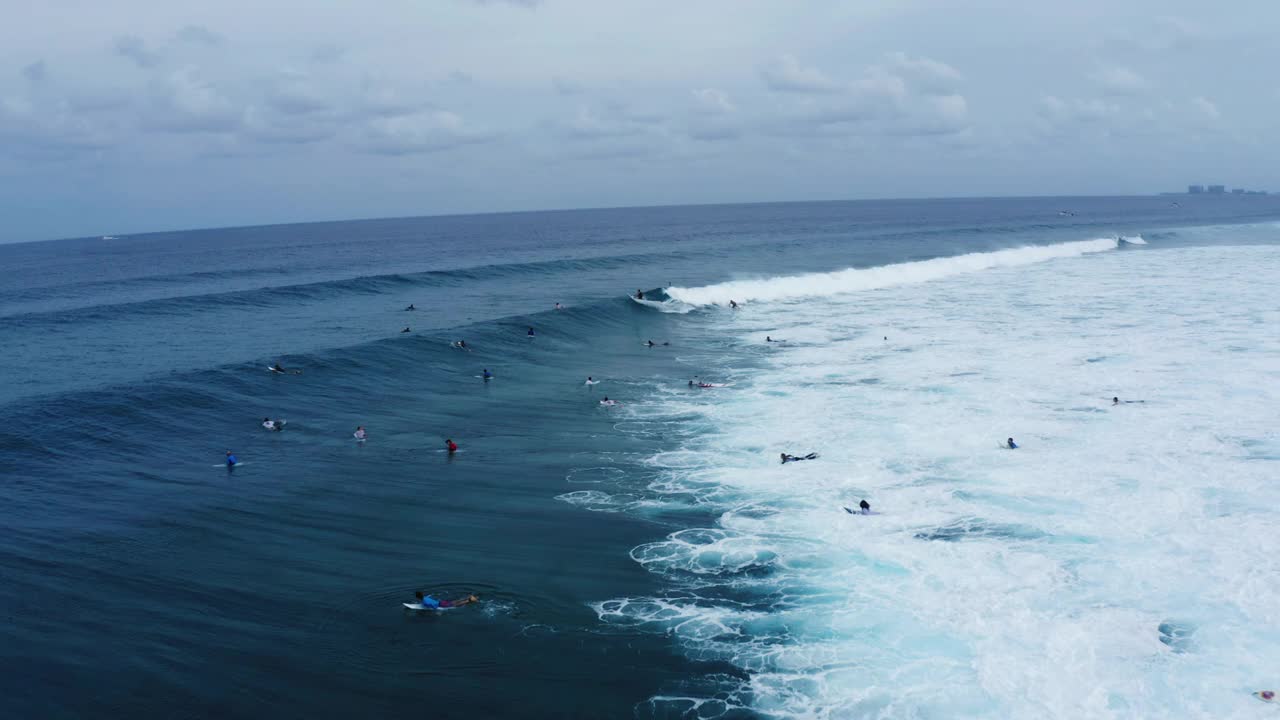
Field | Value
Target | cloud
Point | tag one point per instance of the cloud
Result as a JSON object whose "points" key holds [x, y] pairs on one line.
{"points": [[566, 87], [294, 94], [930, 77], [422, 132], [35, 72], [44, 131], [184, 101], [328, 53], [199, 35], [272, 128], [785, 74], [134, 48], [1120, 81], [1206, 108], [712, 101], [1078, 110], [588, 123]]}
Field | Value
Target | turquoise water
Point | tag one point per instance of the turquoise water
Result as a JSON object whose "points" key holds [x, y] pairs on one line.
{"points": [[647, 559]]}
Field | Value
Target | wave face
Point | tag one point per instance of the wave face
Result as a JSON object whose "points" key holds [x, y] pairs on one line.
{"points": [[860, 279], [648, 558]]}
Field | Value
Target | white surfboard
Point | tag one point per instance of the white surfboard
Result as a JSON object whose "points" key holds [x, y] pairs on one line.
{"points": [[222, 465], [591, 382], [421, 607]]}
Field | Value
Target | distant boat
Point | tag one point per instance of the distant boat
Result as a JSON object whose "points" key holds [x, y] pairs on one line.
{"points": [[108, 237]]}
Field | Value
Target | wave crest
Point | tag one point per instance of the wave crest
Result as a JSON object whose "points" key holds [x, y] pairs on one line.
{"points": [[857, 279]]}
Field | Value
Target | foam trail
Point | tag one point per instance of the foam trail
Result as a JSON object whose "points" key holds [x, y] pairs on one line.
{"points": [[1133, 239], [857, 279]]}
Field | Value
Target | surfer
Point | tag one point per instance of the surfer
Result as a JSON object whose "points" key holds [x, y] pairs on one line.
{"points": [[768, 339], [733, 305], [277, 368], [266, 423], [530, 333], [451, 446], [411, 307], [865, 507], [430, 602], [461, 345], [639, 294], [1115, 401], [559, 306], [1012, 445], [607, 401], [487, 375], [405, 330], [651, 343], [590, 380], [360, 434], [690, 383], [232, 460], [786, 458]]}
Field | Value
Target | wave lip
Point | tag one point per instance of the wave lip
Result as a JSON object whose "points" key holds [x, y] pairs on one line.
{"points": [[850, 280]]}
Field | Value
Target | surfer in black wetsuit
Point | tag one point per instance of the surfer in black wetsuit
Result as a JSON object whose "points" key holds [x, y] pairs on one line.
{"points": [[405, 330], [733, 305], [639, 294], [411, 307], [786, 458], [865, 507]]}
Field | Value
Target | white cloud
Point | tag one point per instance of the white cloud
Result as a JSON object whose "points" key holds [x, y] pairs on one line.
{"points": [[295, 94], [199, 35], [422, 132], [786, 74], [135, 49], [1119, 80], [930, 77], [1207, 108], [710, 100], [183, 101]]}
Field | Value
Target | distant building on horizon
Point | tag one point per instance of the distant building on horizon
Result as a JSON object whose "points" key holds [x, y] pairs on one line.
{"points": [[1195, 189], [1217, 189]]}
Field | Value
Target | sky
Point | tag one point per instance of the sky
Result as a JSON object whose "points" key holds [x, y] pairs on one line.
{"points": [[131, 115]]}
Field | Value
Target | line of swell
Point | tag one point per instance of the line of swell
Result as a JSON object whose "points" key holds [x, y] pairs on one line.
{"points": [[793, 287], [271, 296]]}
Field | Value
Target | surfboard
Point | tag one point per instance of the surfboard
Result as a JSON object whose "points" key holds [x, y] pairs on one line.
{"points": [[851, 511], [609, 403], [421, 607], [591, 382], [1005, 446], [222, 465]]}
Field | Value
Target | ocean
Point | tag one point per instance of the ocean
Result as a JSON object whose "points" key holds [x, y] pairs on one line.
{"points": [[650, 558]]}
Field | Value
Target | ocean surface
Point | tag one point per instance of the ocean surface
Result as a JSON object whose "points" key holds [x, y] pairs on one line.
{"points": [[650, 559]]}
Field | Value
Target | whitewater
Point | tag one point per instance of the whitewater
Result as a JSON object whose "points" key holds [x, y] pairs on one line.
{"points": [[1120, 564]]}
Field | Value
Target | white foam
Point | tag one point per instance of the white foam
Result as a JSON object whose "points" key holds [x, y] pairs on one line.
{"points": [[1013, 584], [859, 279]]}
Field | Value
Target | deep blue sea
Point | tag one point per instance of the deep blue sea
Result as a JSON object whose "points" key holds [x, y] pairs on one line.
{"points": [[651, 558]]}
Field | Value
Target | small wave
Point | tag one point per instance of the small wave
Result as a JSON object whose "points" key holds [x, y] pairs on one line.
{"points": [[859, 279], [1132, 240]]}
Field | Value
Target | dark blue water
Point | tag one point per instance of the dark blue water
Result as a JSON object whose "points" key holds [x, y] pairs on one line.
{"points": [[141, 579]]}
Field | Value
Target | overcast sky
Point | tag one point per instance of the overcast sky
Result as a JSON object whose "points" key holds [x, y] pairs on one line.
{"points": [[135, 115]]}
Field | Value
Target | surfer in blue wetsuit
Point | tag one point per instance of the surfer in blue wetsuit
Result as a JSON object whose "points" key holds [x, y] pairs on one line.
{"points": [[430, 602], [1012, 445], [487, 375], [232, 461], [530, 333]]}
